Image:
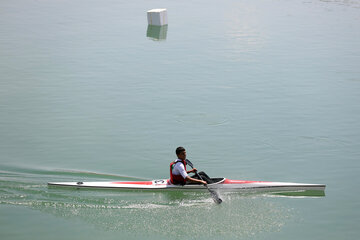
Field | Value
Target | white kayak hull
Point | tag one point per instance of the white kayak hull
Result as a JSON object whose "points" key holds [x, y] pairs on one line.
{"points": [[222, 184]]}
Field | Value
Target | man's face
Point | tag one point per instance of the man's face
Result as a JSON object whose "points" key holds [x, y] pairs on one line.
{"points": [[182, 155]]}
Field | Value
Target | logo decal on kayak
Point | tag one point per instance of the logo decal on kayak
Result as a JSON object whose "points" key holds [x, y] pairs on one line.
{"points": [[159, 181]]}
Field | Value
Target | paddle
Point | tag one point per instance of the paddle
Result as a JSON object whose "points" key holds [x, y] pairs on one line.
{"points": [[213, 194]]}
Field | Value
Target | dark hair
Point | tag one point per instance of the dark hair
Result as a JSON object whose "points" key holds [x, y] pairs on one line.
{"points": [[179, 150]]}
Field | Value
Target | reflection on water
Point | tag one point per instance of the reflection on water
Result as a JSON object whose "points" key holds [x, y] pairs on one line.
{"points": [[157, 33], [301, 194], [172, 213]]}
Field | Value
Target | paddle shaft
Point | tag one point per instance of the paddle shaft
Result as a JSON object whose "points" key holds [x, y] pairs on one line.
{"points": [[202, 180], [213, 194]]}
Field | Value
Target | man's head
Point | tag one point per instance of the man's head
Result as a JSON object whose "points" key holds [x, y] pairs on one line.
{"points": [[181, 153]]}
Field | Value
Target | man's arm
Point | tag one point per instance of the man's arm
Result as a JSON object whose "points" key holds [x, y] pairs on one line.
{"points": [[187, 177], [190, 179], [192, 170]]}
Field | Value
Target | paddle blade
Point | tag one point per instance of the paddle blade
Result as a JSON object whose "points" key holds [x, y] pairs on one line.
{"points": [[215, 196]]}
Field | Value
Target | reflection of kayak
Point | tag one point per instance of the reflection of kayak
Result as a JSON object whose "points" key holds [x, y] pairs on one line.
{"points": [[219, 183]]}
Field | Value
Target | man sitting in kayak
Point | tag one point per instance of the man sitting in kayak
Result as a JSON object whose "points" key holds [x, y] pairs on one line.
{"points": [[178, 173]]}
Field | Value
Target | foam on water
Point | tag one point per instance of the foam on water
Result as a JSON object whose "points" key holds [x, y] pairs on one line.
{"points": [[175, 214]]}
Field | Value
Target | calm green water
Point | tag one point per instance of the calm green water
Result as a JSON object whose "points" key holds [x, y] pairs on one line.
{"points": [[255, 90]]}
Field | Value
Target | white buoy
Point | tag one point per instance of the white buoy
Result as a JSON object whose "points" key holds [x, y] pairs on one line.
{"points": [[157, 17]]}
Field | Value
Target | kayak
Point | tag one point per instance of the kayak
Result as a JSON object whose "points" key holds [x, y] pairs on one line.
{"points": [[218, 183]]}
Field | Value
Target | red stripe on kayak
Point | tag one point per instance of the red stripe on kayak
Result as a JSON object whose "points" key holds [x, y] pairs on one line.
{"points": [[228, 181], [137, 183]]}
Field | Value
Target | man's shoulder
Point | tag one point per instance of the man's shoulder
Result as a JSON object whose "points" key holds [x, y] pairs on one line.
{"points": [[177, 163]]}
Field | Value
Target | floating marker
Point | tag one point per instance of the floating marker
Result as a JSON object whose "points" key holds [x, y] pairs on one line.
{"points": [[157, 17]]}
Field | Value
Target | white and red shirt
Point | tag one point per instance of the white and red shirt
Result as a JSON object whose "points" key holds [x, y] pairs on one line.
{"points": [[178, 172], [179, 169]]}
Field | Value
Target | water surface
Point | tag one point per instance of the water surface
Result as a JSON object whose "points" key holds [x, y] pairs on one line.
{"points": [[255, 90]]}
